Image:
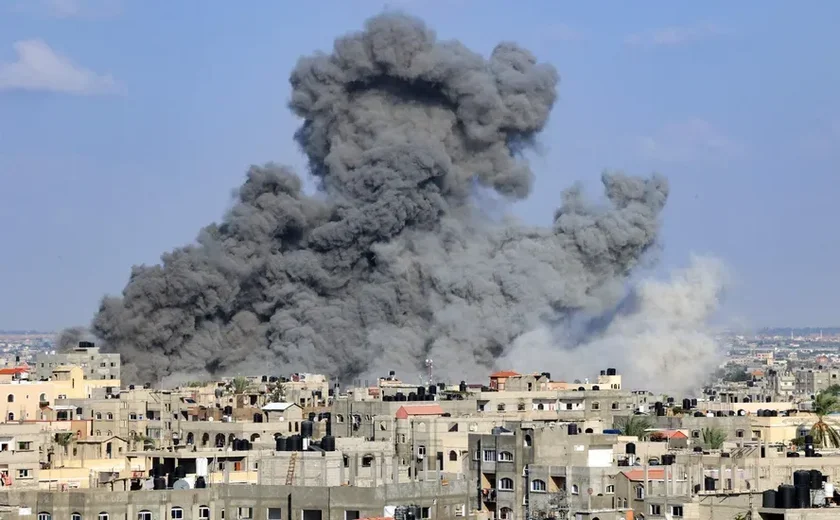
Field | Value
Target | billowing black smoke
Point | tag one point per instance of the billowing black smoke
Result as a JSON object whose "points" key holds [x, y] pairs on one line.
{"points": [[388, 265]]}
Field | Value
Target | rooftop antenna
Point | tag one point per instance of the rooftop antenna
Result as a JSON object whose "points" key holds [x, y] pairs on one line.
{"points": [[430, 365]]}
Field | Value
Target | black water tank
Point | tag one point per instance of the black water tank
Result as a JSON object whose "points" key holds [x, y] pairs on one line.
{"points": [[573, 429], [328, 443], [611, 372], [170, 480], [708, 484], [670, 400], [803, 498], [412, 396], [235, 445], [547, 375], [699, 414], [768, 499], [596, 387], [421, 391], [698, 449], [264, 379], [306, 429], [131, 387], [295, 443], [246, 445], [180, 472], [630, 449], [280, 444], [432, 390], [200, 483], [792, 454], [463, 386], [668, 459], [312, 416], [686, 404], [399, 396], [816, 479], [802, 478], [228, 410], [693, 402], [660, 412], [159, 483]]}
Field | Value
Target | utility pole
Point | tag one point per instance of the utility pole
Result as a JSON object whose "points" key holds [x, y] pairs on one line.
{"points": [[527, 492]]}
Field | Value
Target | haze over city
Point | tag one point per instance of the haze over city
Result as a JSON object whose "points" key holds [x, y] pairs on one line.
{"points": [[112, 154]]}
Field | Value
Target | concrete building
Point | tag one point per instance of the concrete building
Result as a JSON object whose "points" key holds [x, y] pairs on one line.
{"points": [[95, 364]]}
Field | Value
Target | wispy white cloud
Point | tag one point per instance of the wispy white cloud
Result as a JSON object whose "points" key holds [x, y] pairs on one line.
{"points": [[676, 35], [38, 67], [695, 139]]}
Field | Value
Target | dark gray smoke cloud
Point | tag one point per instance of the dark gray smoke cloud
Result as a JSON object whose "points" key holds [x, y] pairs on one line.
{"points": [[389, 264], [70, 338]]}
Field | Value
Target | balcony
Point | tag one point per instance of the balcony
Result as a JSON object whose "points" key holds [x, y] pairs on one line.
{"points": [[488, 495]]}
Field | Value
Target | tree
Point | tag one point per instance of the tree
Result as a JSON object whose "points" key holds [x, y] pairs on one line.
{"points": [[64, 439], [714, 438], [240, 385], [833, 390], [824, 434], [635, 426]]}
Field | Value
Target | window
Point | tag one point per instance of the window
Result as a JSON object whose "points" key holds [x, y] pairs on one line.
{"points": [[500, 407], [204, 513], [75, 516], [144, 515], [11, 416], [98, 415], [245, 513], [110, 416], [739, 433], [655, 509], [11, 399], [421, 450], [596, 405], [102, 516], [614, 406], [527, 441], [640, 492], [351, 514], [506, 484], [506, 513], [44, 516], [538, 486], [695, 434], [23, 473], [505, 456], [489, 455], [176, 513], [610, 489], [677, 511], [24, 446], [453, 456], [274, 513], [575, 489], [367, 461]]}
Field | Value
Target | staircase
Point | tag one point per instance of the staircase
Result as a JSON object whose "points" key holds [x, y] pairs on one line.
{"points": [[290, 475]]}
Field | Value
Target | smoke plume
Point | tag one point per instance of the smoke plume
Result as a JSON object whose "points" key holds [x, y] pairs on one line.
{"points": [[659, 338], [389, 264], [71, 337]]}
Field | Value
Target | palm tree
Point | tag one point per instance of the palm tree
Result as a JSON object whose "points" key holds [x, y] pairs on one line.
{"points": [[635, 426], [240, 385], [714, 438], [824, 434], [64, 440]]}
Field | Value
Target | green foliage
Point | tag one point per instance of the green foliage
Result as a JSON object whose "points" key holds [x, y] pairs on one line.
{"points": [[634, 426], [240, 385], [714, 438], [824, 434], [833, 390], [734, 374]]}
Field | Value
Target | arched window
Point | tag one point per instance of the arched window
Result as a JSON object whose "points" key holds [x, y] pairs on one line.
{"points": [[98, 433], [42, 398], [98, 415], [190, 438], [144, 515], [575, 489], [176, 513], [11, 416], [505, 456], [231, 438], [453, 456], [203, 513], [102, 516], [506, 484], [596, 405], [538, 486], [640, 492], [588, 430], [527, 441], [44, 516], [505, 513], [205, 439], [109, 433], [339, 418], [220, 440], [255, 437], [75, 516], [110, 416], [11, 399]]}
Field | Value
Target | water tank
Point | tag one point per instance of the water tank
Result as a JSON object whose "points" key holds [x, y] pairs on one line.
{"points": [[272, 379], [200, 483], [581, 389], [463, 386], [399, 396], [264, 379], [328, 443], [170, 480], [432, 390], [802, 478], [698, 449], [421, 392], [611, 372], [686, 404], [131, 387], [768, 499], [159, 483], [693, 401], [769, 399], [630, 449], [803, 498], [547, 375], [708, 484], [792, 454], [596, 387], [85, 344], [816, 479], [180, 472], [295, 443], [228, 410], [306, 429], [699, 414], [670, 400], [668, 459], [280, 444], [412, 396]]}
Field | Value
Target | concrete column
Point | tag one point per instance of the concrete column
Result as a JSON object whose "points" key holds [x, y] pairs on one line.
{"points": [[374, 469], [354, 468], [324, 480], [395, 470]]}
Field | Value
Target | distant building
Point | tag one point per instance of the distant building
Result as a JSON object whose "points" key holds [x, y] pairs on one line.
{"points": [[94, 364]]}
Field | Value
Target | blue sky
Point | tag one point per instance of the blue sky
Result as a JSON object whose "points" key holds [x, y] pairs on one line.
{"points": [[125, 125]]}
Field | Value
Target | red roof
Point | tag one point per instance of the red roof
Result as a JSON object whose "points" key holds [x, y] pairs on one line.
{"points": [[418, 409], [639, 474], [14, 370], [504, 373], [670, 434]]}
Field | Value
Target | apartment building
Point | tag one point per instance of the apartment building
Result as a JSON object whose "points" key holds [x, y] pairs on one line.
{"points": [[94, 364]]}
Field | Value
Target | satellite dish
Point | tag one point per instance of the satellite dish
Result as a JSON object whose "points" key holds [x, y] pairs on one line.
{"points": [[149, 484], [181, 484]]}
